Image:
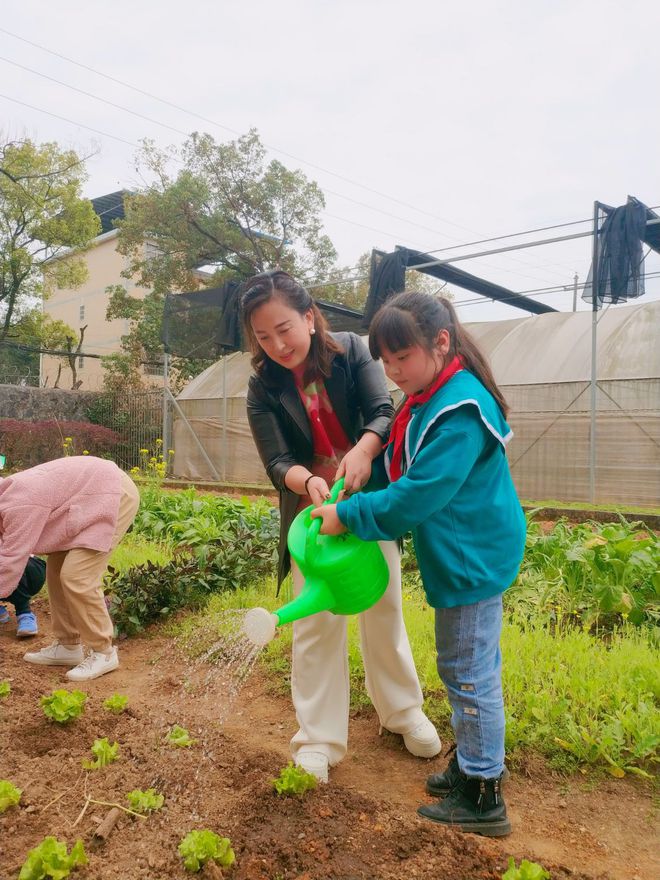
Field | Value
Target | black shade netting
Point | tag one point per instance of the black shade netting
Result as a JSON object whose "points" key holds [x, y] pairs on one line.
{"points": [[620, 254], [387, 276], [205, 324]]}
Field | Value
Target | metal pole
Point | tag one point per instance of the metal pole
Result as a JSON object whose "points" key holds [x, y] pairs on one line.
{"points": [[166, 384], [575, 290], [594, 341], [224, 417], [182, 416]]}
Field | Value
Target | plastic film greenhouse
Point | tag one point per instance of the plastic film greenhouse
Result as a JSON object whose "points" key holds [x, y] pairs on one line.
{"points": [[542, 364]]}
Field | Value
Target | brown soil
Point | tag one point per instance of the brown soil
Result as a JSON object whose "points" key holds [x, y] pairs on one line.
{"points": [[363, 825]]}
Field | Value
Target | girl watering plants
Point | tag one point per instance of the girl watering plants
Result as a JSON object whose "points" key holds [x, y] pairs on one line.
{"points": [[451, 487], [75, 510], [319, 410]]}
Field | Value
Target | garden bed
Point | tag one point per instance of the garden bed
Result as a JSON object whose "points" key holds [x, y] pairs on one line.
{"points": [[363, 825]]}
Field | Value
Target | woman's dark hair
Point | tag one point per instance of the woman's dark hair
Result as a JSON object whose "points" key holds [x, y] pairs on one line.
{"points": [[416, 319], [261, 289]]}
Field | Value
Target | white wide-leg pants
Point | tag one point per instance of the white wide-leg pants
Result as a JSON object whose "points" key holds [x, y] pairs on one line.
{"points": [[320, 678]]}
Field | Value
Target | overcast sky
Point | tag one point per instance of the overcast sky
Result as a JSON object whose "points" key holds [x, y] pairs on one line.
{"points": [[446, 122]]}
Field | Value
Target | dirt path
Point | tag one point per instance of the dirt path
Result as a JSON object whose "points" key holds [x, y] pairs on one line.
{"points": [[363, 825]]}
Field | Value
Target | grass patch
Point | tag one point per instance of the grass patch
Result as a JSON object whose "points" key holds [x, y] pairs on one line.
{"points": [[569, 696], [136, 550], [585, 505]]}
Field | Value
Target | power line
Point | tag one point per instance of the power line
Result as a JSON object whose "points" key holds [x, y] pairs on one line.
{"points": [[235, 132], [183, 133], [213, 122], [137, 146], [225, 127], [70, 121]]}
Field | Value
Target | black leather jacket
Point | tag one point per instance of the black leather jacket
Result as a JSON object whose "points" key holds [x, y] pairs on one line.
{"points": [[281, 428]]}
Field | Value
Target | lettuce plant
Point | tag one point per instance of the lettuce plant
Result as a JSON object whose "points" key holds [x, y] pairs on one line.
{"points": [[526, 871], [63, 706], [5, 689], [9, 795], [145, 801], [179, 736], [116, 704], [199, 847], [294, 781], [104, 752], [50, 859]]}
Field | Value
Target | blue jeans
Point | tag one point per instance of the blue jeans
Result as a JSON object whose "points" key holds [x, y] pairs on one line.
{"points": [[467, 640]]}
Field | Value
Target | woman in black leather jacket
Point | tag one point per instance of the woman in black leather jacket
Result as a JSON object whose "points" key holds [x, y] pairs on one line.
{"points": [[319, 410]]}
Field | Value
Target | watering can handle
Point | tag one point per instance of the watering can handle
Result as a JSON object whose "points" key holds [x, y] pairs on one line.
{"points": [[315, 528]]}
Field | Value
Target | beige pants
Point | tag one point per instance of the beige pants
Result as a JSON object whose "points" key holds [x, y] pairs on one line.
{"points": [[74, 579], [320, 677]]}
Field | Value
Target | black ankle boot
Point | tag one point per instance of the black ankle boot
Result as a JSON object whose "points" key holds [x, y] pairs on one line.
{"points": [[440, 784], [474, 805]]}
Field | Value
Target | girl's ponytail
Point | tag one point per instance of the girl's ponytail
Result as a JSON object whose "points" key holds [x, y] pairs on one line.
{"points": [[465, 346]]}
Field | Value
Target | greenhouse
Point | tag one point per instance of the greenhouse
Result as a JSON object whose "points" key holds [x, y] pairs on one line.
{"points": [[542, 363]]}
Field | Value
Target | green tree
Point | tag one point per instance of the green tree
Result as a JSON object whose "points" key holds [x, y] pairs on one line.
{"points": [[32, 330], [226, 209], [42, 215]]}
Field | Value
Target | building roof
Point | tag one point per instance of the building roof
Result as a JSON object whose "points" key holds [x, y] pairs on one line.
{"points": [[110, 208]]}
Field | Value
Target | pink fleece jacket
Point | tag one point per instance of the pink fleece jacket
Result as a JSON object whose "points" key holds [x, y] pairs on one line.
{"points": [[66, 503]]}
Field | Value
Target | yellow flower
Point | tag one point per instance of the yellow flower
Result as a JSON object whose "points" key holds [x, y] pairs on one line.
{"points": [[68, 440], [85, 452], [170, 452], [144, 452], [159, 442], [135, 470]]}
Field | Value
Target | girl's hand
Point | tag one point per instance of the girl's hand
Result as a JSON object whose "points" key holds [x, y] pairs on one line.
{"points": [[318, 490], [355, 468], [332, 525]]}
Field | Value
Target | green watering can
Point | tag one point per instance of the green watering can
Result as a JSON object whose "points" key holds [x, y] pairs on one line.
{"points": [[343, 574]]}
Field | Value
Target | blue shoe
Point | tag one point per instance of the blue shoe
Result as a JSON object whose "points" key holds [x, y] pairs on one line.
{"points": [[4, 614], [27, 625]]}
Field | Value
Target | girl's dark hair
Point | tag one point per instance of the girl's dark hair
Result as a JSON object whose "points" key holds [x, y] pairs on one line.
{"points": [[416, 319], [261, 289]]}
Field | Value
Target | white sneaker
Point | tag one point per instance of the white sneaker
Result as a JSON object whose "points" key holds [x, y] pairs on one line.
{"points": [[56, 655], [315, 763], [95, 664], [423, 741]]}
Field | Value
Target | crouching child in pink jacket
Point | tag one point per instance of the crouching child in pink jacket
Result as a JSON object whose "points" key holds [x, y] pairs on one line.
{"points": [[75, 510]]}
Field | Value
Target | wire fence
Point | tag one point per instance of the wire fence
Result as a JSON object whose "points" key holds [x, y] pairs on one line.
{"points": [[137, 418], [23, 376]]}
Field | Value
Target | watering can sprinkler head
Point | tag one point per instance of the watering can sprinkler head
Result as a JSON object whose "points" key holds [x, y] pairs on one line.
{"points": [[259, 626], [343, 575]]}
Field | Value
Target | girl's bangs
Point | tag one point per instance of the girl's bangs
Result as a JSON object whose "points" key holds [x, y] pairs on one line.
{"points": [[393, 329]]}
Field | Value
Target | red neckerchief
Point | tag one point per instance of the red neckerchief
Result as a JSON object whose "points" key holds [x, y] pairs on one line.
{"points": [[398, 432]]}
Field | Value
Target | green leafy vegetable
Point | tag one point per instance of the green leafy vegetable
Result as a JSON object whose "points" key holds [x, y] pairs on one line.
{"points": [[526, 871], [294, 781], [63, 706], [145, 801], [104, 752], [198, 847], [9, 795], [116, 703], [5, 689], [179, 736], [50, 859]]}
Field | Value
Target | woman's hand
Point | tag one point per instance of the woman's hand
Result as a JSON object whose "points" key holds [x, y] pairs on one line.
{"points": [[318, 490], [332, 525], [355, 468]]}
